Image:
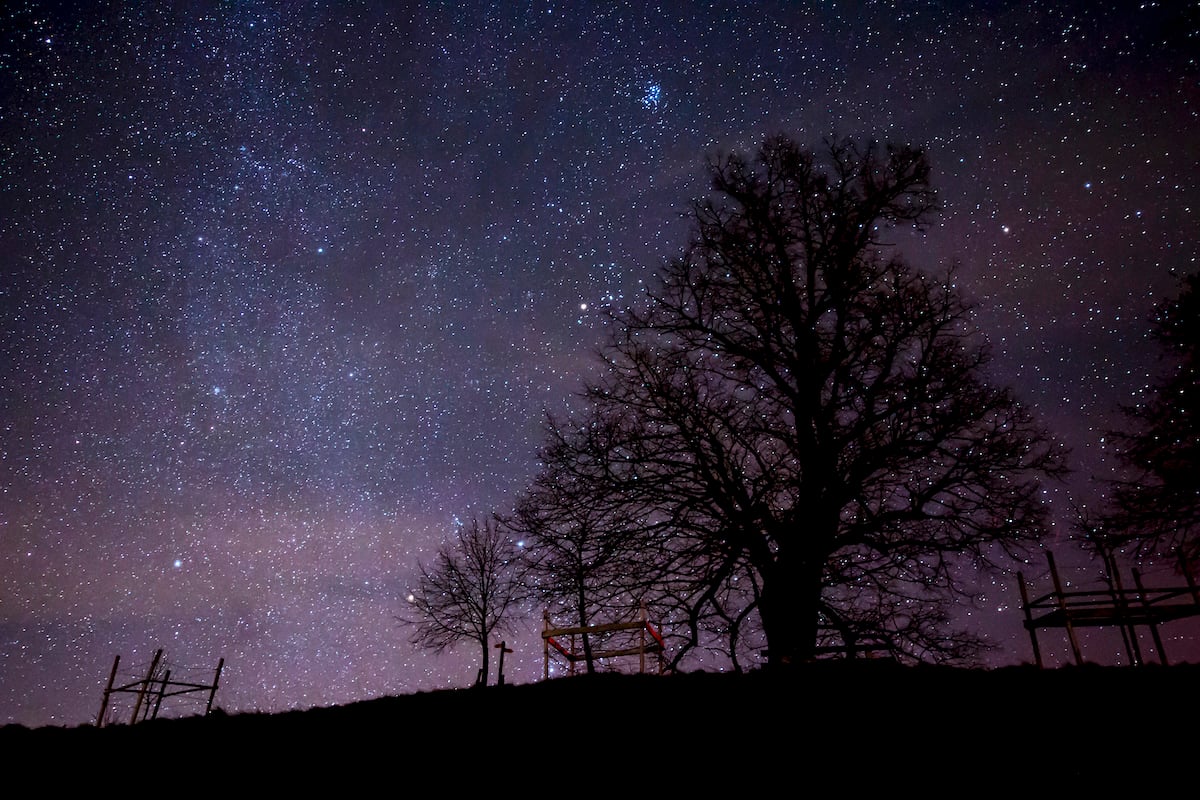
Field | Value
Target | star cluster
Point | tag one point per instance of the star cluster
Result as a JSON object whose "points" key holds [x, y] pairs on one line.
{"points": [[286, 288]]}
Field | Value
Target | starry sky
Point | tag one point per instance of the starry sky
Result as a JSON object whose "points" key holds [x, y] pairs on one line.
{"points": [[286, 287]]}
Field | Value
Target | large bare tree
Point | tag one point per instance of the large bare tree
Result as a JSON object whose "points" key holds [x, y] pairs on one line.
{"points": [[796, 401], [470, 592]]}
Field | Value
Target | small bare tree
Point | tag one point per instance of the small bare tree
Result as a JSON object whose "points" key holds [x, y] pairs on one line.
{"points": [[469, 593]]}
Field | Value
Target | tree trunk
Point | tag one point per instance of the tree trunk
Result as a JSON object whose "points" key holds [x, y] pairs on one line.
{"points": [[788, 608], [581, 600], [583, 623], [482, 678]]}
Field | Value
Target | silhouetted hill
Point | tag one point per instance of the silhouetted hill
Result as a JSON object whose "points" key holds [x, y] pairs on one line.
{"points": [[863, 727]]}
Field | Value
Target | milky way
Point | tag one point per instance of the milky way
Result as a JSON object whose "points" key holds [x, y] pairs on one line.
{"points": [[285, 288]]}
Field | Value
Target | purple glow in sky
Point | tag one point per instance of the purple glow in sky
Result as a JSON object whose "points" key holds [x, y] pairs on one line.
{"points": [[285, 287]]}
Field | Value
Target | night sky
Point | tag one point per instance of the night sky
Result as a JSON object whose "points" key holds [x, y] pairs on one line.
{"points": [[285, 287]]}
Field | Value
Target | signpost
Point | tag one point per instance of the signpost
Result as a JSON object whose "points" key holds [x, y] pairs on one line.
{"points": [[503, 649]]}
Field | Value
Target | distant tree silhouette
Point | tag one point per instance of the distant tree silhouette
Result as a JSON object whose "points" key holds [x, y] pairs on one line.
{"points": [[585, 550], [798, 424], [470, 592], [596, 554], [1156, 507]]}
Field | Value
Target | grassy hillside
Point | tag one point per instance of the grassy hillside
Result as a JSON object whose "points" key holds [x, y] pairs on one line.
{"points": [[870, 726]]}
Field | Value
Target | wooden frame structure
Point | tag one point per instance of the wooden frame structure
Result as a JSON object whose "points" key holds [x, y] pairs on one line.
{"points": [[1114, 606], [154, 688], [639, 638]]}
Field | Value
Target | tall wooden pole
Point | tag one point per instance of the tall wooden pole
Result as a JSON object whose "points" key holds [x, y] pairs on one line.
{"points": [[141, 698], [545, 645], [1162, 653], [162, 690], [1062, 606], [1117, 592], [112, 676], [213, 693], [1029, 624]]}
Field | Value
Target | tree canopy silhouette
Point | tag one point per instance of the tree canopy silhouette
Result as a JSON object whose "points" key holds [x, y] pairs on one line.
{"points": [[585, 557], [1157, 506], [798, 424]]}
